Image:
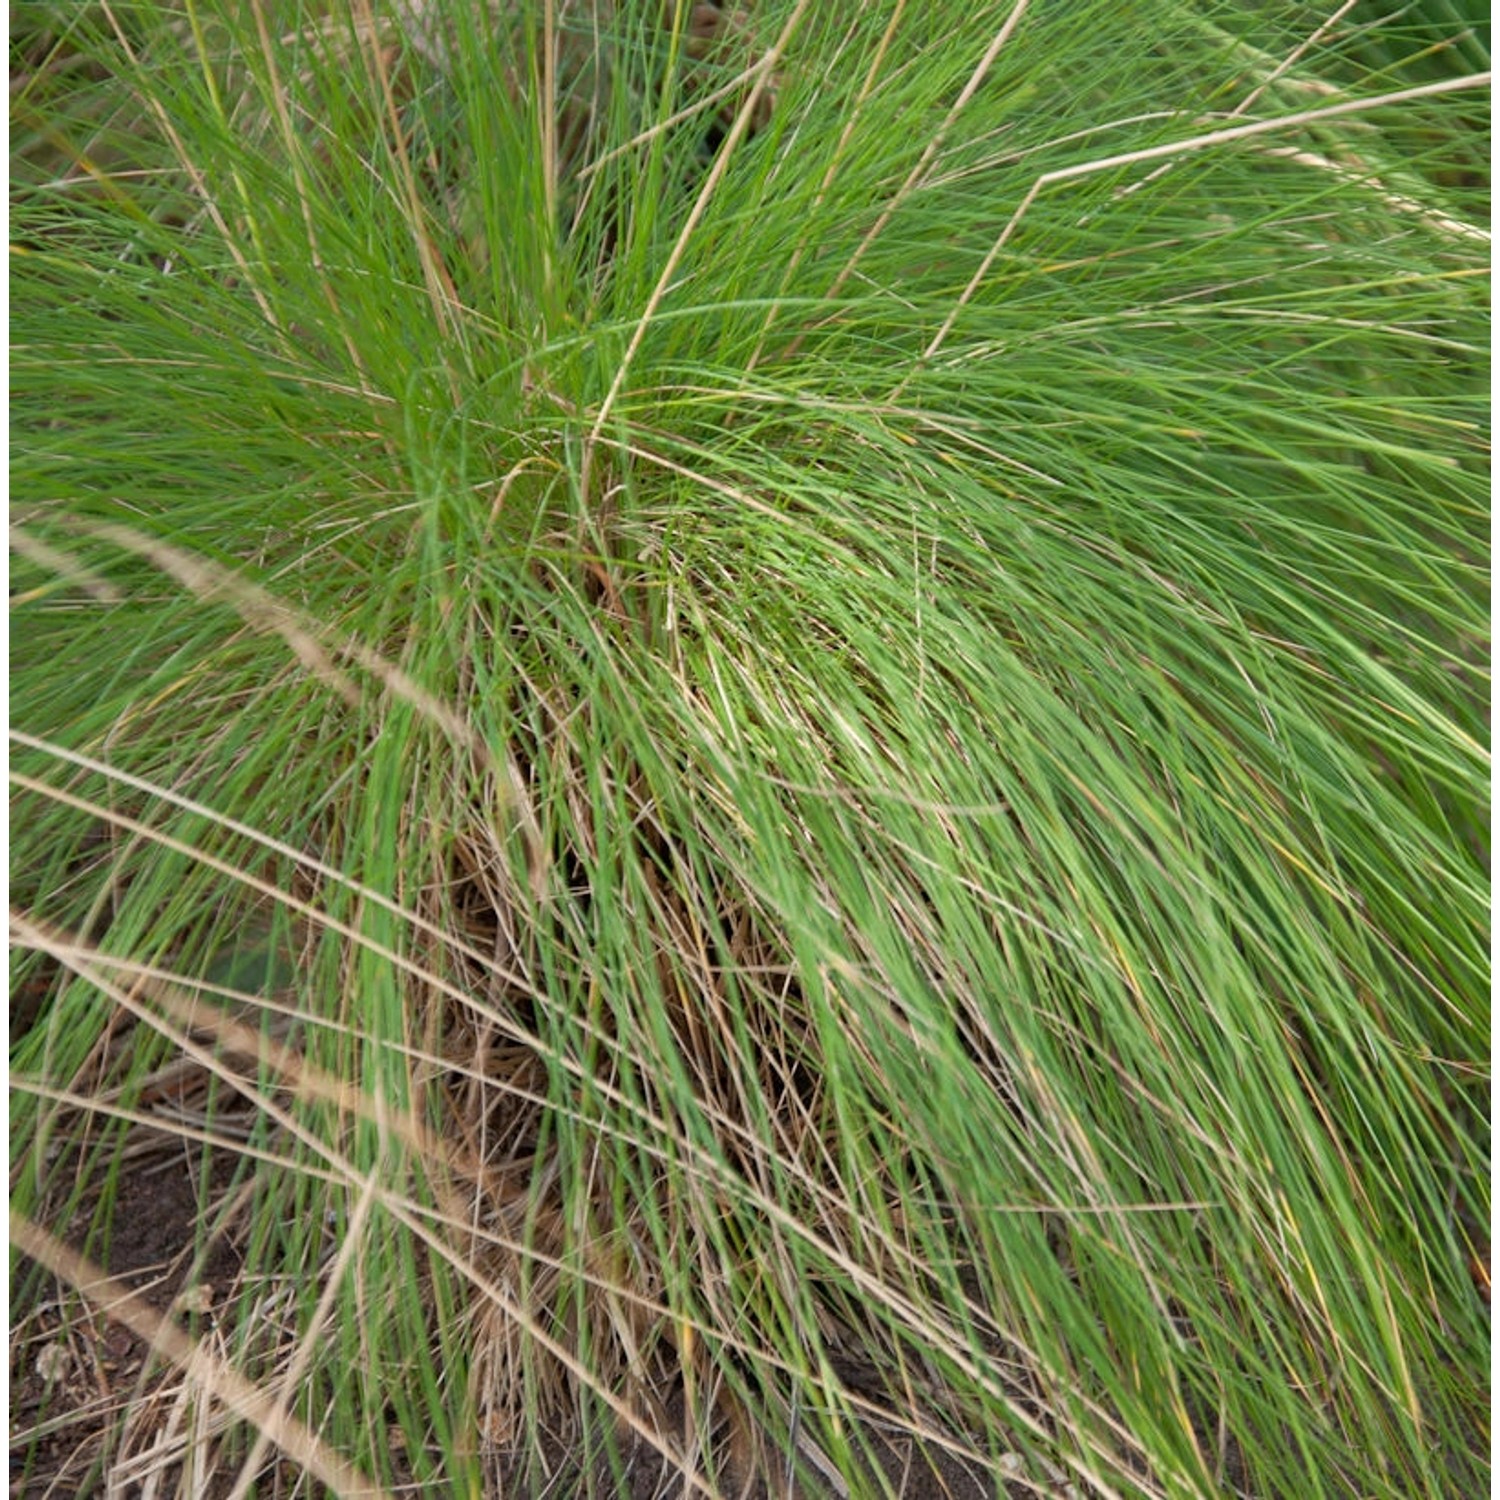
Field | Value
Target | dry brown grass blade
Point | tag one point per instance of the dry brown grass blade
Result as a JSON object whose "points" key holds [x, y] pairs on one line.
{"points": [[1170, 149], [930, 151], [180, 1016], [68, 570], [294, 156], [220, 1380], [309, 641], [1351, 172], [196, 177], [440, 290], [743, 119], [845, 136], [291, 1378]]}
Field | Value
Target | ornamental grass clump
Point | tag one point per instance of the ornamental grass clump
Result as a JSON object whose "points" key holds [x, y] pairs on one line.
{"points": [[755, 739]]}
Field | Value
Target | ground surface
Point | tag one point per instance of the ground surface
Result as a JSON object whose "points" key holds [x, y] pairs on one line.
{"points": [[75, 1374]]}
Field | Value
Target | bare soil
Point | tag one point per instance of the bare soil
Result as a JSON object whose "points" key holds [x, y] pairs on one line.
{"points": [[75, 1374]]}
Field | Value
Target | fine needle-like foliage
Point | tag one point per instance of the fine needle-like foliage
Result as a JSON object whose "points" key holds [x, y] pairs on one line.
{"points": [[762, 732]]}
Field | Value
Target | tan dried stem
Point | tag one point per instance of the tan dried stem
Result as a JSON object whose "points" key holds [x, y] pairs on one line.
{"points": [[1177, 148], [761, 72], [192, 1356]]}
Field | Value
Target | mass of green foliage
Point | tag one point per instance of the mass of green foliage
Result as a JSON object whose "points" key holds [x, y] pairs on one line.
{"points": [[769, 753]]}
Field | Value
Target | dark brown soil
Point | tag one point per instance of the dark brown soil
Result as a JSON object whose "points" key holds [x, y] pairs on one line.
{"points": [[74, 1372]]}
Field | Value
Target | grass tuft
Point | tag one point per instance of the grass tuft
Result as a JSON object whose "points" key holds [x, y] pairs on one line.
{"points": [[759, 740]]}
